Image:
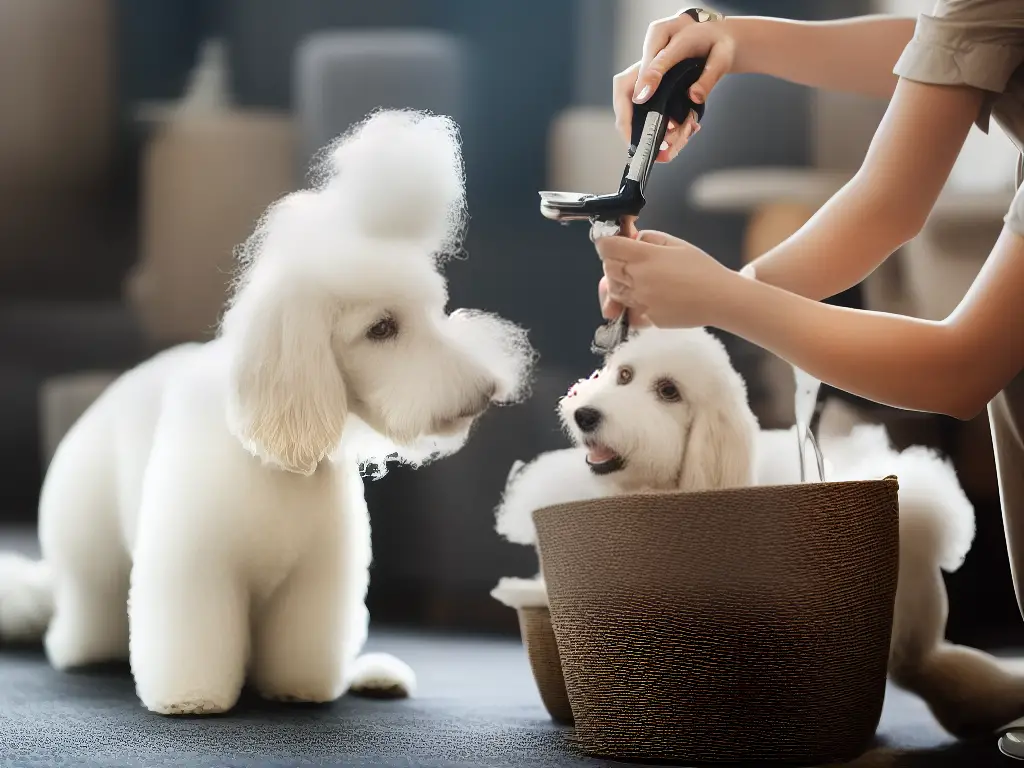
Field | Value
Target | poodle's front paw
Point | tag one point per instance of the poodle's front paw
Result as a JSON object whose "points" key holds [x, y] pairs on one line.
{"points": [[382, 676], [197, 703], [299, 691]]}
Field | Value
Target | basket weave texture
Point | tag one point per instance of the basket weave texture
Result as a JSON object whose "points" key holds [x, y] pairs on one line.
{"points": [[725, 626], [542, 652]]}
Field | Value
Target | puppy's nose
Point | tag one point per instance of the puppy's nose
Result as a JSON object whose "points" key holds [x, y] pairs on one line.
{"points": [[587, 418]]}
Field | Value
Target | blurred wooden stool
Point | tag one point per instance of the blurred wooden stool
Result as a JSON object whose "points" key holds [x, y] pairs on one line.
{"points": [[206, 181]]}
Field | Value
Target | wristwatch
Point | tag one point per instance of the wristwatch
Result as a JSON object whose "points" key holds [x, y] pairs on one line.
{"points": [[700, 15]]}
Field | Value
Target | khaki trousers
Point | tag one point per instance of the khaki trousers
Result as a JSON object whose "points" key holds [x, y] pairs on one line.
{"points": [[1009, 454]]}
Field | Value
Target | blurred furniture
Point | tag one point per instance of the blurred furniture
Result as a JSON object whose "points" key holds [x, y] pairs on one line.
{"points": [[56, 139], [206, 180], [341, 76]]}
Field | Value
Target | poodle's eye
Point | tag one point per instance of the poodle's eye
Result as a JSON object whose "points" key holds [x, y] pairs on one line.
{"points": [[668, 391], [625, 375], [384, 329]]}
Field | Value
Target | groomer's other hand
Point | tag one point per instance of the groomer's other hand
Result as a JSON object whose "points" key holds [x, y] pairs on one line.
{"points": [[669, 41], [672, 283]]}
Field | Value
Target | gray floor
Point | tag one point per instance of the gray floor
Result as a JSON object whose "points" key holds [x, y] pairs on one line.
{"points": [[477, 706]]}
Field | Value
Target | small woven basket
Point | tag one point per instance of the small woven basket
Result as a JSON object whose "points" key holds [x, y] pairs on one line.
{"points": [[542, 652], [749, 624]]}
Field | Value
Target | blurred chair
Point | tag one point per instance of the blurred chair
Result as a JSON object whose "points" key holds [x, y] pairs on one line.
{"points": [[341, 76]]}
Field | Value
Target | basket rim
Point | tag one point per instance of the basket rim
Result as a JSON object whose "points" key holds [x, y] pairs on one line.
{"points": [[889, 481]]}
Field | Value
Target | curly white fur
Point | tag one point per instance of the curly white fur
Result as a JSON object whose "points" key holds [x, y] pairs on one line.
{"points": [[701, 440], [219, 484]]}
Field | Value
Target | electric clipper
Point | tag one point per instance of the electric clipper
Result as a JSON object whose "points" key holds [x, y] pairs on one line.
{"points": [[671, 101]]}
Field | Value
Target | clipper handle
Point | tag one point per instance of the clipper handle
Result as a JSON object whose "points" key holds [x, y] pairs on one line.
{"points": [[671, 101], [672, 98]]}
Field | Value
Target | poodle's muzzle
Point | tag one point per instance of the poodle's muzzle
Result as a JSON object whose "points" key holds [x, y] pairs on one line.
{"points": [[451, 425]]}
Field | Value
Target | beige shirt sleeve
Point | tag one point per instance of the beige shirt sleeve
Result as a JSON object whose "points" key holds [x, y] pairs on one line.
{"points": [[979, 43]]}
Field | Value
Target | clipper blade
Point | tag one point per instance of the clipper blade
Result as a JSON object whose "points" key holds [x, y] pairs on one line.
{"points": [[564, 206], [577, 206]]}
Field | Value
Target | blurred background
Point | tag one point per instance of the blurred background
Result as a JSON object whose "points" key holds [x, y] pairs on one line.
{"points": [[141, 139]]}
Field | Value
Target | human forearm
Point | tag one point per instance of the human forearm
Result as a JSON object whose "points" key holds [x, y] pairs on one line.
{"points": [[952, 367], [834, 250], [898, 361], [887, 201], [853, 55]]}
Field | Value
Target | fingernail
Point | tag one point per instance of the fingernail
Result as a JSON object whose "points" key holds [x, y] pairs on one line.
{"points": [[696, 95], [642, 96], [664, 146], [696, 128]]}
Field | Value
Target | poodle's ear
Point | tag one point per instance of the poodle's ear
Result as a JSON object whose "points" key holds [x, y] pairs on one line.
{"points": [[287, 401], [720, 449]]}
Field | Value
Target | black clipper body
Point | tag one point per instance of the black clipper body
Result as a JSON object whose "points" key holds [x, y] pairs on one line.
{"points": [[671, 101]]}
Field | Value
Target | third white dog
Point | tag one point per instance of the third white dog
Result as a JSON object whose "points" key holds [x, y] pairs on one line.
{"points": [[205, 517]]}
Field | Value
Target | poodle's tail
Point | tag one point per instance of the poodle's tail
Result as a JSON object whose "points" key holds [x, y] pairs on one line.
{"points": [[402, 175], [26, 598]]}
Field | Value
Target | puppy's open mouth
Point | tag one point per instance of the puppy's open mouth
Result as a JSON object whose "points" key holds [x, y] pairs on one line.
{"points": [[602, 460]]}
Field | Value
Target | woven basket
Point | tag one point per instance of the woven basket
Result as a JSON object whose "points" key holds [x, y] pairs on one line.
{"points": [[748, 624]]}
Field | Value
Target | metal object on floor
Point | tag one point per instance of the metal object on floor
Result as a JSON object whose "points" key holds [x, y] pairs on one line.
{"points": [[1011, 744]]}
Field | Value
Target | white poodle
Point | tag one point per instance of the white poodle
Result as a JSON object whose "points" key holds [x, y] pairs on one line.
{"points": [[634, 441], [205, 517]]}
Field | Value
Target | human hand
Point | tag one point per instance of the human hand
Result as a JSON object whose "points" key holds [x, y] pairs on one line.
{"points": [[669, 41], [661, 280]]}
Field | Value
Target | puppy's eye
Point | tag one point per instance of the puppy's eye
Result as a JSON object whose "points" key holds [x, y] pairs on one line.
{"points": [[384, 329], [668, 391], [625, 375]]}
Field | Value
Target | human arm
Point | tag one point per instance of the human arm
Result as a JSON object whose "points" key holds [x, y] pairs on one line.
{"points": [[854, 55], [850, 55], [954, 366], [887, 201]]}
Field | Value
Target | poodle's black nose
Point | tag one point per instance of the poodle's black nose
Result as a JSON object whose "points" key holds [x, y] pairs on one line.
{"points": [[587, 418]]}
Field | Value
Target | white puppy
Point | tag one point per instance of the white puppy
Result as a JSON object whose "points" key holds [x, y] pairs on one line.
{"points": [[667, 412], [205, 517]]}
